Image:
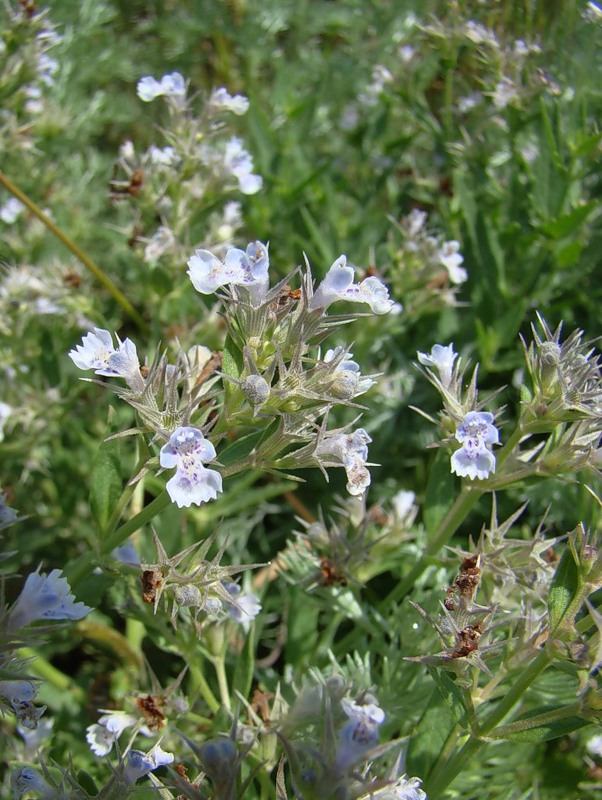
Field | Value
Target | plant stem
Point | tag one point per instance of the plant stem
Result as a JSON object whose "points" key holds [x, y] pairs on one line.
{"points": [[222, 681], [44, 669], [81, 568], [440, 779], [448, 526], [90, 265], [199, 682]]}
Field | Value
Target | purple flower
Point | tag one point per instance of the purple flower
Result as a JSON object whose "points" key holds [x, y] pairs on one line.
{"points": [[188, 450], [139, 764], [45, 597], [360, 733], [476, 434]]}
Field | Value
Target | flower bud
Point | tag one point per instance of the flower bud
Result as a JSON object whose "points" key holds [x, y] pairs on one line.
{"points": [[189, 596], [256, 389]]}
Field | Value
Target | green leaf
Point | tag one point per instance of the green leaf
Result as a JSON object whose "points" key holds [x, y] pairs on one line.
{"points": [[532, 728], [568, 224], [564, 587], [243, 672], [245, 445], [430, 736], [451, 693], [232, 363], [106, 483], [441, 491], [86, 781]]}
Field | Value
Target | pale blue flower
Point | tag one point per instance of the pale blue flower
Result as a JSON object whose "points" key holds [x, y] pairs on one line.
{"points": [[222, 100], [5, 413], [171, 85], [441, 357], [188, 450], [45, 597], [476, 434], [338, 285], [350, 450], [347, 380], [26, 779], [102, 735], [139, 764], [360, 733], [451, 259], [239, 162], [97, 352], [245, 605], [240, 268]]}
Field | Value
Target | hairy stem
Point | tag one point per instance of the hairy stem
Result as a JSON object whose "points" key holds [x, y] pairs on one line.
{"points": [[90, 265]]}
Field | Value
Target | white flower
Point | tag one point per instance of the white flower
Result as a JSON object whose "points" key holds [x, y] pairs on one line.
{"points": [[162, 156], [442, 358], [404, 507], [451, 259], [102, 736], [162, 241], [239, 162], [11, 210], [45, 597], [505, 93], [171, 85], [139, 764], [338, 285], [477, 433], [5, 412], [350, 451], [98, 353], [415, 221], [594, 745], [222, 100], [187, 450], [241, 268], [347, 381]]}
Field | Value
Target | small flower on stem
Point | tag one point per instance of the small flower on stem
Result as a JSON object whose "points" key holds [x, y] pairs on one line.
{"points": [[476, 434], [98, 353], [139, 764], [171, 85], [338, 285], [245, 606], [102, 735], [351, 451], [222, 100], [442, 358], [241, 268], [451, 259], [360, 733], [188, 450]]}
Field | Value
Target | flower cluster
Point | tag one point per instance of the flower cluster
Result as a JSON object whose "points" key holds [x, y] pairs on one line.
{"points": [[202, 158], [428, 270], [273, 330]]}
